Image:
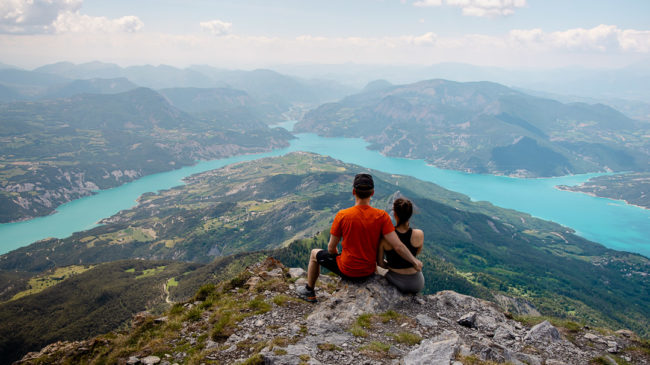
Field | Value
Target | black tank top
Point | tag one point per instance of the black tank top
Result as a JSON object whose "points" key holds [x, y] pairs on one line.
{"points": [[394, 259]]}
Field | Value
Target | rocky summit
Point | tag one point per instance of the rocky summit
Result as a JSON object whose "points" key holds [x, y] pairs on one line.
{"points": [[256, 318]]}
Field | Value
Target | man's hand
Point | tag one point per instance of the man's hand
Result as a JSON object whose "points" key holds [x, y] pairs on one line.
{"points": [[332, 246], [418, 265]]}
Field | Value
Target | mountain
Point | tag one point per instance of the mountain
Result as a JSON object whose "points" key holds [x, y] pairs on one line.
{"points": [[254, 318], [270, 85], [485, 127], [30, 84], [631, 187], [279, 203], [229, 106], [90, 86], [64, 149], [630, 83], [89, 70], [5, 66], [8, 94], [264, 85]]}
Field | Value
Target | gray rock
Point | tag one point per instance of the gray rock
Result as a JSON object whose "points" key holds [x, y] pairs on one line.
{"points": [[209, 344], [150, 360], [375, 295], [516, 305], [292, 357], [440, 350], [555, 362], [275, 273], [297, 272], [503, 334], [132, 360], [468, 320], [543, 333], [425, 321], [591, 337]]}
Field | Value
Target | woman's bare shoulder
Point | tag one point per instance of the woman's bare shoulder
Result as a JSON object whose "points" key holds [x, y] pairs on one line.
{"points": [[417, 237]]}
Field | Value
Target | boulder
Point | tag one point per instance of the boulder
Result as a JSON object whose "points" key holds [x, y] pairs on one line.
{"points": [[425, 321], [544, 332], [297, 272], [440, 350], [375, 295]]}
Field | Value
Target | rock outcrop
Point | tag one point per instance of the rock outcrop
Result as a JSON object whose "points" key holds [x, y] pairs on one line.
{"points": [[352, 323]]}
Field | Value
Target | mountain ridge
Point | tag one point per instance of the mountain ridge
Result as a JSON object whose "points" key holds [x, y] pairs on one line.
{"points": [[459, 125]]}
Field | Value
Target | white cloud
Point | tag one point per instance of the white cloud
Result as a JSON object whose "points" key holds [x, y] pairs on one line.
{"points": [[33, 16], [425, 3], [216, 27], [76, 22], [602, 38], [58, 16], [486, 8]]}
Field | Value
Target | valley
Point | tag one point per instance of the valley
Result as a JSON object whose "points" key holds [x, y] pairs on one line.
{"points": [[68, 132], [283, 206], [57, 151]]}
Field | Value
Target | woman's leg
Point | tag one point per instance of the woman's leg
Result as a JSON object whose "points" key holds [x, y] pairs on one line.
{"points": [[406, 283]]}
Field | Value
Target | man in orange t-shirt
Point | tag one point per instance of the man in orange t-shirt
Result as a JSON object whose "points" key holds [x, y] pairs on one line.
{"points": [[361, 228]]}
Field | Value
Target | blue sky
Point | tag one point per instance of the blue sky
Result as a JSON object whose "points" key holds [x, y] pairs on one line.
{"points": [[255, 33]]}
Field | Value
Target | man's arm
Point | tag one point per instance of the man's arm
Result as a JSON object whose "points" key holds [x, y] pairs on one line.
{"points": [[332, 246], [401, 250], [380, 255]]}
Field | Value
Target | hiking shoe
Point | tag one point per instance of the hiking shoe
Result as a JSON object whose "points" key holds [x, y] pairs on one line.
{"points": [[306, 294]]}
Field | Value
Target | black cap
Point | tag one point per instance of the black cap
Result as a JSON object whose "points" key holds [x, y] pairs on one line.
{"points": [[363, 182]]}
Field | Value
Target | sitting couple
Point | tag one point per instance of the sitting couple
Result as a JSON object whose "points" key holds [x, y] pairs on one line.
{"points": [[367, 234]]}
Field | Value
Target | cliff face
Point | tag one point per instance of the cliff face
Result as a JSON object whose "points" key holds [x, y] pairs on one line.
{"points": [[256, 319]]}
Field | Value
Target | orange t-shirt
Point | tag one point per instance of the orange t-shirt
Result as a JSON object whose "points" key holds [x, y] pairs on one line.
{"points": [[360, 227]]}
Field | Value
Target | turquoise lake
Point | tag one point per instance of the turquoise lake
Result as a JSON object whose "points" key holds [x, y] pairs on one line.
{"points": [[612, 223]]}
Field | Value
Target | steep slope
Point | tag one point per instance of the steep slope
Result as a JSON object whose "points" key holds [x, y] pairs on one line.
{"points": [[485, 127], [59, 150], [470, 247], [255, 319]]}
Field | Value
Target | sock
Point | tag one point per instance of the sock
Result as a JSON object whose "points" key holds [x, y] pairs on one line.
{"points": [[308, 288]]}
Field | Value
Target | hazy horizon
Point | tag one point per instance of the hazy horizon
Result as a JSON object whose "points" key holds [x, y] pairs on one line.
{"points": [[529, 34]]}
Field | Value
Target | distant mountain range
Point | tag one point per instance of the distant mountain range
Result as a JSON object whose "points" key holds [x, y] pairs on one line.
{"points": [[61, 79], [630, 82], [486, 128]]}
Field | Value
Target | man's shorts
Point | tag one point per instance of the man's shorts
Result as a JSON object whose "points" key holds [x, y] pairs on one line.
{"points": [[328, 261]]}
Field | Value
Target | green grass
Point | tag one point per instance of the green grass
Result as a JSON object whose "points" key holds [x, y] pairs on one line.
{"points": [[259, 305], [172, 283], [358, 331], [376, 346], [328, 347], [364, 320], [42, 282], [151, 272], [407, 338]]}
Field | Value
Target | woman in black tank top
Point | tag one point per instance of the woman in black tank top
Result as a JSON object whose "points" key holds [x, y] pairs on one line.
{"points": [[401, 273]]}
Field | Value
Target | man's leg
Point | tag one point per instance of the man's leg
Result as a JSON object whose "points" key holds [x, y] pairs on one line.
{"points": [[313, 270]]}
